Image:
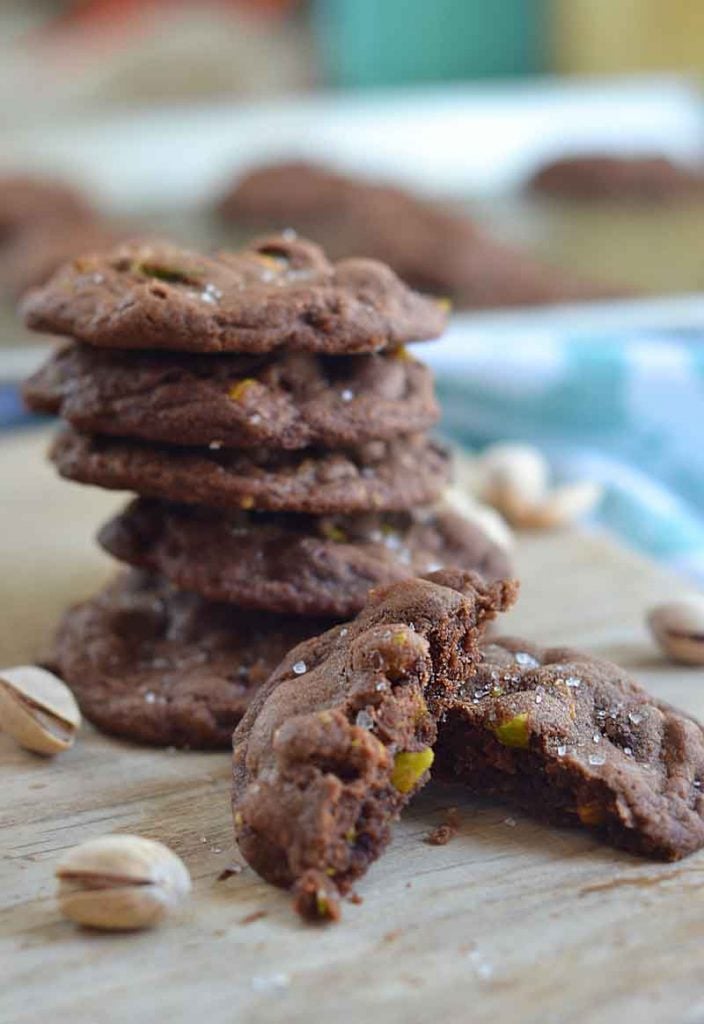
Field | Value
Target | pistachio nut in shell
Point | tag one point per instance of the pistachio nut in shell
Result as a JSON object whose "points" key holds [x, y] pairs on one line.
{"points": [[514, 479], [121, 883], [563, 505], [678, 627], [37, 709], [484, 516]]}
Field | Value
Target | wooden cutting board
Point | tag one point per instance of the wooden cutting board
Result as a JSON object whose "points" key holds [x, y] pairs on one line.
{"points": [[511, 921]]}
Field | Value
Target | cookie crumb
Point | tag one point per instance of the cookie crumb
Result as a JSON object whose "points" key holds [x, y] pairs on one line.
{"points": [[316, 897], [256, 915], [441, 835]]}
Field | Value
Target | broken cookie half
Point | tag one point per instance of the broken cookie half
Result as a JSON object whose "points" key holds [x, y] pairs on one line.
{"points": [[575, 740], [342, 735]]}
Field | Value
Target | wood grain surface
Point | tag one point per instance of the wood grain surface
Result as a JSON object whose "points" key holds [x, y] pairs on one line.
{"points": [[510, 921]]}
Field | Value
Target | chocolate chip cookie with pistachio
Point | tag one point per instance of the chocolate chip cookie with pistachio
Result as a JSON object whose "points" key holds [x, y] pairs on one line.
{"points": [[155, 665], [380, 475], [279, 294], [289, 400], [300, 565]]}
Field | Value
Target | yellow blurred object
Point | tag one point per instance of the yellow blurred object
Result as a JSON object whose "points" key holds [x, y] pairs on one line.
{"points": [[603, 36]]}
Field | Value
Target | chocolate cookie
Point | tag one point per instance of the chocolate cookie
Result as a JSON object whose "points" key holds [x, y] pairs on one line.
{"points": [[430, 246], [27, 201], [381, 475], [575, 740], [292, 400], [347, 215], [295, 194], [34, 254], [492, 274], [341, 736], [157, 666], [279, 293], [300, 565], [601, 176]]}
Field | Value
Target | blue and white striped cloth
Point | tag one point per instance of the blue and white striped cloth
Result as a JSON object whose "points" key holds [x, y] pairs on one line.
{"points": [[625, 407]]}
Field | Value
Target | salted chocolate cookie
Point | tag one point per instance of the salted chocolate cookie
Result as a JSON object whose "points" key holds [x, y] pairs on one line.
{"points": [[380, 475], [301, 565], [292, 400], [602, 176], [575, 740], [432, 247], [280, 293], [157, 666], [341, 736]]}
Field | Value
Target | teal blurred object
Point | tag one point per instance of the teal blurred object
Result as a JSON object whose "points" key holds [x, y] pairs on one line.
{"points": [[395, 42]]}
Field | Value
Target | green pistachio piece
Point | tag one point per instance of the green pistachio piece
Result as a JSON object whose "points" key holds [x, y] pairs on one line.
{"points": [[408, 768], [591, 813], [239, 388], [515, 732], [172, 275], [334, 532]]}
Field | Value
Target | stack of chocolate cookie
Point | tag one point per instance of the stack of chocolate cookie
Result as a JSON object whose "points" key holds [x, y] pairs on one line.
{"points": [[264, 409]]}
